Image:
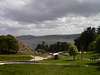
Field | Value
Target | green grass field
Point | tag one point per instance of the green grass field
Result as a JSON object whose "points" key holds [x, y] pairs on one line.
{"points": [[15, 57], [77, 67], [63, 59], [74, 68]]}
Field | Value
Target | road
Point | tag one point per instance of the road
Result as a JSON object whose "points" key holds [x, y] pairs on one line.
{"points": [[30, 62]]}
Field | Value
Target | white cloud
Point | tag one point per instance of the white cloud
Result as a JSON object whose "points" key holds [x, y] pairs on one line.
{"points": [[43, 17]]}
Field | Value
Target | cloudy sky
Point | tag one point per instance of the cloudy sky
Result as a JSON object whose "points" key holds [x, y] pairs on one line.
{"points": [[46, 17]]}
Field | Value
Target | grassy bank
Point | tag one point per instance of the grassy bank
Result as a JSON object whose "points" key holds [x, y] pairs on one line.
{"points": [[74, 68], [77, 67], [15, 57]]}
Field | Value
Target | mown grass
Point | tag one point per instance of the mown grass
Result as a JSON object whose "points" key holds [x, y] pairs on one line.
{"points": [[91, 54], [63, 59], [82, 67], [15, 57], [77, 67]]}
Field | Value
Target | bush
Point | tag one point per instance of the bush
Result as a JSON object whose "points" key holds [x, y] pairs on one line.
{"points": [[73, 51]]}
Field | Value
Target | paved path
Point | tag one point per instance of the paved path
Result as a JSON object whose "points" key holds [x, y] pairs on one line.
{"points": [[2, 63], [37, 58], [22, 62]]}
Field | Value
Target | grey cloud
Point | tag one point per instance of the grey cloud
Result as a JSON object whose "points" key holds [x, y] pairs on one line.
{"points": [[47, 26], [42, 10]]}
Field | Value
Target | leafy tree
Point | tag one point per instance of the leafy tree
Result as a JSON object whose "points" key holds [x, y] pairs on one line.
{"points": [[59, 46], [42, 46], [8, 44], [97, 44], [91, 46], [85, 39], [73, 51], [98, 30], [12, 43], [78, 42], [3, 44]]}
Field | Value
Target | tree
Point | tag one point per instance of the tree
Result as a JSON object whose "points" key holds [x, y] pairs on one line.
{"points": [[98, 30], [85, 39], [91, 46], [73, 51], [8, 44], [12, 44], [3, 44], [97, 44], [42, 46], [78, 42], [59, 46]]}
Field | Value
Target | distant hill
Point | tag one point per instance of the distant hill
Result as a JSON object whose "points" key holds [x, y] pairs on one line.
{"points": [[49, 39], [48, 36], [25, 37]]}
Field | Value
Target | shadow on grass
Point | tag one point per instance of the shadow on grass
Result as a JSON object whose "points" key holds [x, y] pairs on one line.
{"points": [[98, 68], [68, 60], [71, 66], [94, 52], [94, 64]]}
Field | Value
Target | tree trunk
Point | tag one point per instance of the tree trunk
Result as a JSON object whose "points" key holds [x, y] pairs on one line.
{"points": [[82, 50], [74, 57]]}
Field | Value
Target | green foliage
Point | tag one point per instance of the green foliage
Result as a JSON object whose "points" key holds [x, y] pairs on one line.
{"points": [[98, 30], [59, 46], [42, 46], [97, 44], [91, 46], [73, 51], [78, 42], [41, 50], [85, 39], [8, 44]]}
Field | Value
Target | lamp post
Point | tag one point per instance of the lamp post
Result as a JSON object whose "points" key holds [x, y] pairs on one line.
{"points": [[34, 51]]}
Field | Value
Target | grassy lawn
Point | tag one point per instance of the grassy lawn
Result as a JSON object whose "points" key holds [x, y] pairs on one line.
{"points": [[77, 67], [91, 54], [15, 57], [63, 59], [80, 67]]}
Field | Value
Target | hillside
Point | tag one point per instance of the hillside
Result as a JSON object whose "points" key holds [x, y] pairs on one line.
{"points": [[24, 48], [25, 37], [49, 39]]}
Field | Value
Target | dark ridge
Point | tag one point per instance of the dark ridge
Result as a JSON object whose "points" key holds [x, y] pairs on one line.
{"points": [[23, 37]]}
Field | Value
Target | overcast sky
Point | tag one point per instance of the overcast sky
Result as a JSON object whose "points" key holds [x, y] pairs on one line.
{"points": [[46, 17]]}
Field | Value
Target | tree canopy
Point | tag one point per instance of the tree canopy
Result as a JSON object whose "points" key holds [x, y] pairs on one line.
{"points": [[73, 51], [59, 46], [8, 44], [85, 39], [97, 44], [42, 46], [98, 30]]}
